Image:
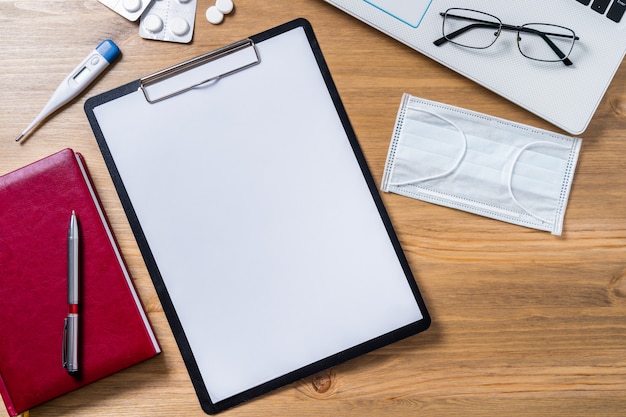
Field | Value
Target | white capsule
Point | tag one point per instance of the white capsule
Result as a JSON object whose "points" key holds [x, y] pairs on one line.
{"points": [[179, 26], [213, 15], [224, 6], [132, 5], [152, 23]]}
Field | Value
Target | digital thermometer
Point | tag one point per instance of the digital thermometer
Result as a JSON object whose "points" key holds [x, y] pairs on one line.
{"points": [[83, 75]]}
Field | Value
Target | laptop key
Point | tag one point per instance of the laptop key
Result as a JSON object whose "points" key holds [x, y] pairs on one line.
{"points": [[600, 5], [585, 2], [616, 11]]}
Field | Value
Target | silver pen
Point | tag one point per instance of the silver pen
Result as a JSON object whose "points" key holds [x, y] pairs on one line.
{"points": [[70, 335]]}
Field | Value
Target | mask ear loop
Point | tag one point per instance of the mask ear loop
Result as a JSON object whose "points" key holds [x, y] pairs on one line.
{"points": [[457, 162], [510, 177]]}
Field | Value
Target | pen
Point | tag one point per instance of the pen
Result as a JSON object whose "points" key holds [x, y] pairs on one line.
{"points": [[83, 75], [70, 336]]}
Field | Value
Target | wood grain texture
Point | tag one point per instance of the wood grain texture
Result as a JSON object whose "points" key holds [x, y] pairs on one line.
{"points": [[524, 323]]}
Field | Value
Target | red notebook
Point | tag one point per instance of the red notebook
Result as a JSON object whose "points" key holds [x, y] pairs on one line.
{"points": [[36, 203]]}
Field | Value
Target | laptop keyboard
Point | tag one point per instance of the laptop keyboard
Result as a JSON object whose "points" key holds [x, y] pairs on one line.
{"points": [[615, 12]]}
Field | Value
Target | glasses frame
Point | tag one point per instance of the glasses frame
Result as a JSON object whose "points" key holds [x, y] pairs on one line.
{"points": [[499, 26]]}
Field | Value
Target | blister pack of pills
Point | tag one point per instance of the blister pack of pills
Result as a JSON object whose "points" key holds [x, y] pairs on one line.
{"points": [[169, 20], [130, 9]]}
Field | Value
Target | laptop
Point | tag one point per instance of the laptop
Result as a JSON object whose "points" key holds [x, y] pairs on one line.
{"points": [[565, 95]]}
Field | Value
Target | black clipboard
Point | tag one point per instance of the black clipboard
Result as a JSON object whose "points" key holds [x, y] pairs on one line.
{"points": [[257, 216]]}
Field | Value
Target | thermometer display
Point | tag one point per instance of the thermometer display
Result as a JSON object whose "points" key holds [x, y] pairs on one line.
{"points": [[82, 75]]}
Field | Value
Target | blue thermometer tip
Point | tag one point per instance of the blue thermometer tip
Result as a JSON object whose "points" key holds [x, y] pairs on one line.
{"points": [[108, 49]]}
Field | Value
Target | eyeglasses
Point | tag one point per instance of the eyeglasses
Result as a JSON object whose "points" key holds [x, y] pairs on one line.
{"points": [[479, 30]]}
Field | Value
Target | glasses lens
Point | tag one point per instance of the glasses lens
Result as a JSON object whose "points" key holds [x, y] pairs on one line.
{"points": [[544, 42], [471, 28]]}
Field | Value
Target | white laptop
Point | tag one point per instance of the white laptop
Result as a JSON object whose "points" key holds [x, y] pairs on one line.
{"points": [[565, 95]]}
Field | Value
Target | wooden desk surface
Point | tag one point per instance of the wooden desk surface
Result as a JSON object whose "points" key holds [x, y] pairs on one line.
{"points": [[524, 323]]}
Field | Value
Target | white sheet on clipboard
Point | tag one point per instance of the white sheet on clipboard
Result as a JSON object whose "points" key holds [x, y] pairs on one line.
{"points": [[259, 218]]}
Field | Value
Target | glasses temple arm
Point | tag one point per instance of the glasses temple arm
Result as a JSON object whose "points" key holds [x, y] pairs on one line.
{"points": [[481, 25], [544, 36]]}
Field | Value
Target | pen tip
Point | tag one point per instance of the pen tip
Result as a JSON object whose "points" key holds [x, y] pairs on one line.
{"points": [[19, 137]]}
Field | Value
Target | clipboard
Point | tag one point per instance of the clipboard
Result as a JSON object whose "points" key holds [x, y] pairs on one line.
{"points": [[257, 216]]}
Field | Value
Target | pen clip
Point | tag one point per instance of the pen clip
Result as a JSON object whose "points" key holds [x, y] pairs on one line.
{"points": [[64, 352]]}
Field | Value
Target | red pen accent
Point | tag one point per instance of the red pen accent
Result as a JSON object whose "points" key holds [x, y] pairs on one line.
{"points": [[73, 309]]}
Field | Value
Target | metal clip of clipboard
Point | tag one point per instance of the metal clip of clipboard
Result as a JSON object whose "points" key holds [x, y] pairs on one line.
{"points": [[200, 71]]}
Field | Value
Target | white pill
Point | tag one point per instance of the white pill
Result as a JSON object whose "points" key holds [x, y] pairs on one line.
{"points": [[224, 6], [213, 15], [152, 23], [132, 5], [179, 26]]}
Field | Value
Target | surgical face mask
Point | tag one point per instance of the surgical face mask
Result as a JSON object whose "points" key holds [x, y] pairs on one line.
{"points": [[484, 165]]}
